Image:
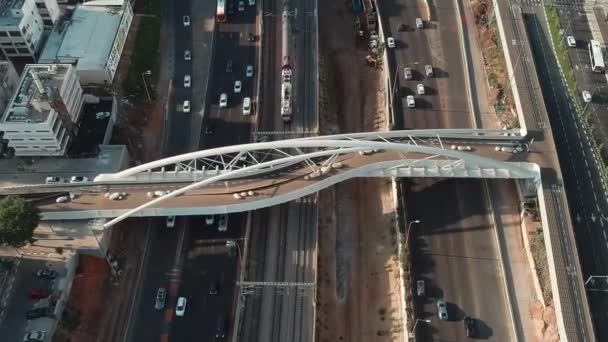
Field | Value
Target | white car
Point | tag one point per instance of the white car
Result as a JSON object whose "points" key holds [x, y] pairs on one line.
{"points": [[53, 180], [223, 100], [170, 221], [187, 55], [390, 42], [249, 71], [251, 2], [237, 87], [34, 336], [442, 310], [407, 73], [186, 20], [187, 81], [180, 308], [247, 106], [241, 6], [587, 96], [78, 179], [420, 89], [571, 41], [186, 106], [222, 224], [411, 103], [419, 23], [209, 219]]}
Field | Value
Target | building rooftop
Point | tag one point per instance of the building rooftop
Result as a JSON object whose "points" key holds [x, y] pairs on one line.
{"points": [[8, 14], [87, 37], [36, 89]]}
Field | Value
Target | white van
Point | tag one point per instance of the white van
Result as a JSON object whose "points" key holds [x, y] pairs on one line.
{"points": [[419, 23]]}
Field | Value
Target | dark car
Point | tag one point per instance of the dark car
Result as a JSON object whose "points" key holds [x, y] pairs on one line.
{"points": [[470, 328], [209, 129], [251, 37], [46, 273], [39, 312], [220, 331], [38, 294], [213, 288]]}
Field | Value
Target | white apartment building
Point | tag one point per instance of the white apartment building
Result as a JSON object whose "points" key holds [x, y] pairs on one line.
{"points": [[44, 112], [8, 83], [49, 11], [92, 39], [21, 28]]}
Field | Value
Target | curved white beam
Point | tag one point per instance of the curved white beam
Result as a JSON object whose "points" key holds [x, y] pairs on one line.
{"points": [[293, 143], [347, 146]]}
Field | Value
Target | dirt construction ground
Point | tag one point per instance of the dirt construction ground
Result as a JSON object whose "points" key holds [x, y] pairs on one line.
{"points": [[358, 295]]}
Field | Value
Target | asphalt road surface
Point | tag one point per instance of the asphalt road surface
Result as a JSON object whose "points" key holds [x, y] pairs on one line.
{"points": [[445, 103], [204, 255], [455, 253], [586, 197]]}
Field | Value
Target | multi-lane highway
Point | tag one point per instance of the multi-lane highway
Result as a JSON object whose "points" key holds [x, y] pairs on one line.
{"points": [[457, 255], [585, 192], [445, 104], [188, 258]]}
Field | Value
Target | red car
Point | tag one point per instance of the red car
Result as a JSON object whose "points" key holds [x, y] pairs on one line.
{"points": [[38, 294]]}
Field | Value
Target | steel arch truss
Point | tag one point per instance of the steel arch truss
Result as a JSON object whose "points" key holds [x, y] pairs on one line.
{"points": [[418, 156]]}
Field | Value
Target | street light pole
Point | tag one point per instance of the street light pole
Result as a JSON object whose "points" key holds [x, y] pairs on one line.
{"points": [[413, 332], [409, 230], [147, 72]]}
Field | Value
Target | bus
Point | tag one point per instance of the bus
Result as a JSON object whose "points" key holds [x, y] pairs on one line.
{"points": [[595, 54], [221, 11]]}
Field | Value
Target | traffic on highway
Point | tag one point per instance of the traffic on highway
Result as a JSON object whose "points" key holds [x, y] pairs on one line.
{"points": [[304, 170]]}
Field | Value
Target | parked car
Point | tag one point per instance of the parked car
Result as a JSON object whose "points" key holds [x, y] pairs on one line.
{"points": [[161, 295], [223, 100], [180, 308], [251, 2], [186, 106], [45, 273], [78, 179], [241, 6], [37, 294], [187, 55], [40, 312], [251, 37], [390, 42], [419, 23], [237, 87], [54, 180], [34, 336], [186, 20], [249, 71], [470, 328], [187, 81], [442, 310]]}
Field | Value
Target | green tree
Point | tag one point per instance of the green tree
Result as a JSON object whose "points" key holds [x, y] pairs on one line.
{"points": [[18, 219]]}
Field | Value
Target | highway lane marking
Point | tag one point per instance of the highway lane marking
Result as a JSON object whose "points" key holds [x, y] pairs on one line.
{"points": [[604, 232]]}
